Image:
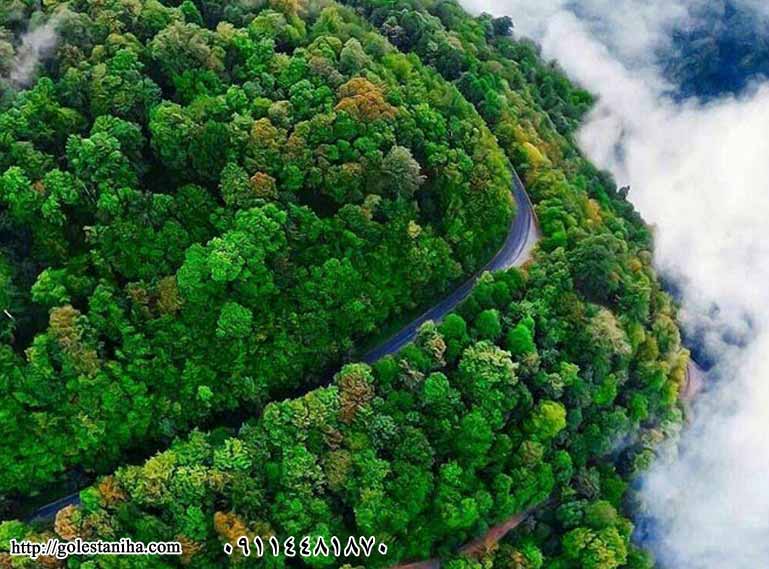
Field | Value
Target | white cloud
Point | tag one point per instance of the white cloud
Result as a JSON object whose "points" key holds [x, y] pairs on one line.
{"points": [[700, 175], [35, 45], [629, 27]]}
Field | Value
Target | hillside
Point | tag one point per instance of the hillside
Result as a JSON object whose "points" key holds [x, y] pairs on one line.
{"points": [[550, 388], [195, 220]]}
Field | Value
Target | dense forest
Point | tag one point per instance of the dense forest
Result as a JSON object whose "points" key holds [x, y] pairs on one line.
{"points": [[322, 170], [195, 220], [515, 398]]}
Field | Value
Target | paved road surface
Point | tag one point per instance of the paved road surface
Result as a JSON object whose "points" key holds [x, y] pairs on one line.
{"points": [[521, 238], [49, 511]]}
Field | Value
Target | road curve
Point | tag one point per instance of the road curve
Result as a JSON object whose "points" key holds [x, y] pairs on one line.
{"points": [[516, 250], [49, 511]]}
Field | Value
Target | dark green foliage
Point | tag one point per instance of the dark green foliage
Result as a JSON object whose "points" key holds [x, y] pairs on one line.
{"points": [[425, 450], [295, 183], [196, 216]]}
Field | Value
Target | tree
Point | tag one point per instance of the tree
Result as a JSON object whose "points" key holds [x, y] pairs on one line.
{"points": [[604, 549], [183, 46], [364, 101], [234, 321], [401, 173], [487, 325], [454, 331], [120, 88], [474, 439], [594, 263], [520, 338], [503, 26], [546, 421], [352, 57], [235, 187], [355, 390]]}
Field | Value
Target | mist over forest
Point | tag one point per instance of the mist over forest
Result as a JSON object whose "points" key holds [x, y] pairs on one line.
{"points": [[210, 209], [681, 118]]}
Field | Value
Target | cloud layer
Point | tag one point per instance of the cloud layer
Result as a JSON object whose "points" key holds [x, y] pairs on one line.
{"points": [[35, 45], [700, 175]]}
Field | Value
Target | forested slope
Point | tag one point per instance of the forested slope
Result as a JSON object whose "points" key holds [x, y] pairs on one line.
{"points": [[551, 387], [194, 219], [522, 396]]}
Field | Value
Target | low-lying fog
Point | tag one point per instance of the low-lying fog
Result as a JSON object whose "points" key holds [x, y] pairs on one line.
{"points": [[700, 174]]}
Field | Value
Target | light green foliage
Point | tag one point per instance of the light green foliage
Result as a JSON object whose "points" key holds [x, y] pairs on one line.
{"points": [[233, 197], [401, 172], [207, 204], [603, 549], [548, 419]]}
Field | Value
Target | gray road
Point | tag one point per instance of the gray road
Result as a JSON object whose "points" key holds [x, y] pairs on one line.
{"points": [[521, 238], [516, 250], [49, 511]]}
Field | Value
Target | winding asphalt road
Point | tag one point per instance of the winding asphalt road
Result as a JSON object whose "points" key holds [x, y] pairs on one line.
{"points": [[49, 511], [516, 250]]}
